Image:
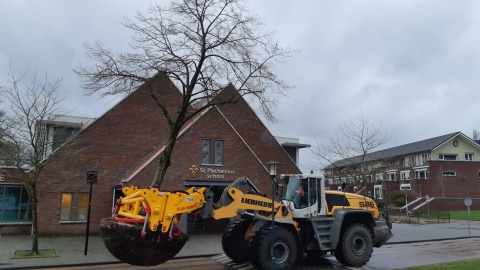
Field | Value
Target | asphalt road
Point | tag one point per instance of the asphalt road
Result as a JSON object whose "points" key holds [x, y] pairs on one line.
{"points": [[392, 256]]}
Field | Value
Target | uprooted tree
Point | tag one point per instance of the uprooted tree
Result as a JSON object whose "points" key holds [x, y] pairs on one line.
{"points": [[201, 46], [346, 153], [24, 142]]}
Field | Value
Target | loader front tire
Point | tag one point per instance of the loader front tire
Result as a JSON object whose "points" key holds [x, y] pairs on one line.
{"points": [[285, 248], [233, 241], [356, 246]]}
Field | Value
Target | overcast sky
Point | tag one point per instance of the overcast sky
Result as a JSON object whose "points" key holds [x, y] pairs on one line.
{"points": [[411, 66]]}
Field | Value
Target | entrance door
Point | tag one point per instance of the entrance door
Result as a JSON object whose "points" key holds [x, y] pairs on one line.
{"points": [[208, 224]]}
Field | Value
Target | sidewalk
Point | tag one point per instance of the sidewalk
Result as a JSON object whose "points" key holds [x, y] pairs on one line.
{"points": [[71, 249]]}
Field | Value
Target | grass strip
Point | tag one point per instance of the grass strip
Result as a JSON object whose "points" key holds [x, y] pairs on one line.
{"points": [[460, 265], [26, 254]]}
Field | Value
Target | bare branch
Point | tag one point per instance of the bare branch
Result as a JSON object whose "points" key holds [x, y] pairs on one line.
{"points": [[201, 46], [347, 151], [24, 138]]}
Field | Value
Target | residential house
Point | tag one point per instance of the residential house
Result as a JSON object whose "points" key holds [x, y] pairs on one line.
{"points": [[437, 169]]}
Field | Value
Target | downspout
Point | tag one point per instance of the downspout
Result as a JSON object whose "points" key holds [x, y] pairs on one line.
{"points": [[441, 180]]}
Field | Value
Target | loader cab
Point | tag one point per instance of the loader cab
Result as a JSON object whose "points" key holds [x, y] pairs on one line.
{"points": [[304, 195]]}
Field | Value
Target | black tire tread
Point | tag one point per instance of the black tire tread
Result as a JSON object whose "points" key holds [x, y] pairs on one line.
{"points": [[345, 256], [261, 257], [232, 241]]}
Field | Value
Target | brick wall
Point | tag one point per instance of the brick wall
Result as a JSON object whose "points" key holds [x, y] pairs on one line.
{"points": [[123, 136], [111, 145]]}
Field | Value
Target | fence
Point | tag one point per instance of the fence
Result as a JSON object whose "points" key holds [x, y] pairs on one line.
{"points": [[443, 217]]}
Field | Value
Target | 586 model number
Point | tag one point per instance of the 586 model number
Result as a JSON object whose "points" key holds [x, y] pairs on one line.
{"points": [[366, 204]]}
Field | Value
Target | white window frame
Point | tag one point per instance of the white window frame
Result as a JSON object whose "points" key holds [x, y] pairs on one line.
{"points": [[405, 186], [425, 170], [379, 177], [378, 191], [336, 180], [405, 175], [469, 156], [442, 157], [424, 158], [391, 176], [411, 160], [449, 173]]}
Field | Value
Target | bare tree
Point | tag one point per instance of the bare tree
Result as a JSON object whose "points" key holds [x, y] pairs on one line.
{"points": [[476, 135], [346, 152], [201, 46], [32, 99], [6, 149]]}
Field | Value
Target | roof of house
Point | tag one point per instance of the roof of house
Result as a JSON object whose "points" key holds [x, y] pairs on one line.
{"points": [[402, 150]]}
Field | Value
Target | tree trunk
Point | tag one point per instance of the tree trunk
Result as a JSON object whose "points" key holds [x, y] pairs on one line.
{"points": [[34, 220], [164, 161]]}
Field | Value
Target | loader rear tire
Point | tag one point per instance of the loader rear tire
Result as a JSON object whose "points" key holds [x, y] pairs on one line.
{"points": [[356, 246], [286, 249], [233, 241], [123, 241]]}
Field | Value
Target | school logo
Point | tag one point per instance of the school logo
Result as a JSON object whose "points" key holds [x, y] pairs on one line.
{"points": [[193, 170]]}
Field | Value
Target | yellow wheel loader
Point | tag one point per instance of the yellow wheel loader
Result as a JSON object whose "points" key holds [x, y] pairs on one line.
{"points": [[307, 221]]}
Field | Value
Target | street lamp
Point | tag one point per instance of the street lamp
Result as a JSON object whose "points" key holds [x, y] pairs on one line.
{"points": [[91, 179], [272, 169]]}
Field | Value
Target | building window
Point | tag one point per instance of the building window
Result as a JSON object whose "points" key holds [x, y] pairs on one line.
{"points": [[411, 160], [469, 156], [368, 178], [336, 181], [405, 175], [405, 186], [378, 192], [61, 135], [421, 174], [82, 206], [351, 180], [423, 159], [74, 207], [212, 151], [449, 173], [2, 177], [447, 157], [66, 207], [379, 177], [391, 176], [14, 204]]}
